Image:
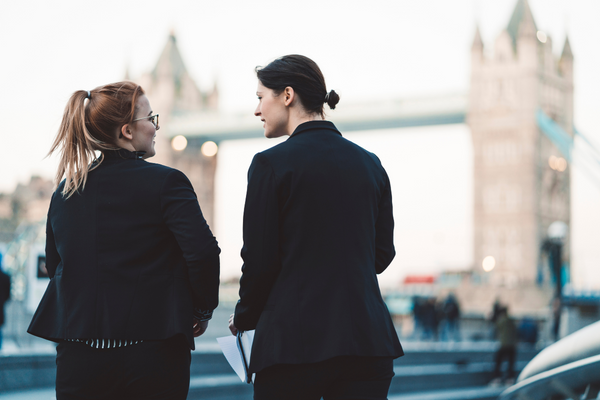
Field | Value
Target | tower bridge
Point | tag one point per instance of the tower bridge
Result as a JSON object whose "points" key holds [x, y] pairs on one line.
{"points": [[517, 193]]}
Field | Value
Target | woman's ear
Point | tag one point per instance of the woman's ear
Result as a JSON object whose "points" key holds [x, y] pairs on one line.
{"points": [[288, 95], [125, 132]]}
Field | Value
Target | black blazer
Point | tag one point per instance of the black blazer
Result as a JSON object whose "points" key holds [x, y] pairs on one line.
{"points": [[318, 228], [130, 257]]}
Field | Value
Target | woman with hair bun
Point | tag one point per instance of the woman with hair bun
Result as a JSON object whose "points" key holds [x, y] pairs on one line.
{"points": [[133, 265], [318, 228]]}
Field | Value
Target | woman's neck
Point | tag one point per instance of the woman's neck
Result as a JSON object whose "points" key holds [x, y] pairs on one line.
{"points": [[297, 119]]}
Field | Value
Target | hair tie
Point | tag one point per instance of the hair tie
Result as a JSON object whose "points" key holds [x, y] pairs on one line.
{"points": [[326, 98], [89, 95]]}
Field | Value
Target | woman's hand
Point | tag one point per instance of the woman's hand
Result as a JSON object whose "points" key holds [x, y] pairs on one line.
{"points": [[199, 327], [232, 327]]}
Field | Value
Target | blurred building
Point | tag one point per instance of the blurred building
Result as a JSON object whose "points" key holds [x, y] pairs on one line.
{"points": [[28, 203], [7, 222], [22, 239]]}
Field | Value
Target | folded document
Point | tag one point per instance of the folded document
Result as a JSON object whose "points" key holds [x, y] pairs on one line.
{"points": [[236, 350]]}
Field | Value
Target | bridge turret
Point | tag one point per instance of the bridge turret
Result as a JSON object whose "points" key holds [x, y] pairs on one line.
{"points": [[566, 61], [477, 47]]}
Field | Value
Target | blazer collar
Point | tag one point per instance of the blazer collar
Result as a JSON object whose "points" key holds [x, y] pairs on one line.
{"points": [[315, 125], [123, 154]]}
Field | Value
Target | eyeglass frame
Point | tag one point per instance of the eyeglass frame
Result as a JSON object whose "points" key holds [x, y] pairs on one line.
{"points": [[149, 116]]}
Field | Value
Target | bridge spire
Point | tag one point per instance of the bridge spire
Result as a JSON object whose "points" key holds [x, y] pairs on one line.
{"points": [[477, 41], [521, 22]]}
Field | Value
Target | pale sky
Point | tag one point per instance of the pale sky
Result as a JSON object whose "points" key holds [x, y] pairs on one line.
{"points": [[367, 50]]}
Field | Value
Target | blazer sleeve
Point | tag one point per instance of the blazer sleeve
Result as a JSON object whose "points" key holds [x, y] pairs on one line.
{"points": [[52, 256], [384, 229], [184, 219], [261, 244]]}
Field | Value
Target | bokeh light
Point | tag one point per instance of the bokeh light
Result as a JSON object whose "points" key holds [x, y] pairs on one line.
{"points": [[542, 37], [209, 149], [488, 263], [557, 163], [179, 143]]}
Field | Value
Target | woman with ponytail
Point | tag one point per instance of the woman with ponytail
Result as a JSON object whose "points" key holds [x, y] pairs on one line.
{"points": [[318, 228], [133, 266]]}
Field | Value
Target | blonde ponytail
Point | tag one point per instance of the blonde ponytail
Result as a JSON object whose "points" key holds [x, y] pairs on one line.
{"points": [[103, 114]]}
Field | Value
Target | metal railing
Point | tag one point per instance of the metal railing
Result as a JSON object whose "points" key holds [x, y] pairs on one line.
{"points": [[568, 369]]}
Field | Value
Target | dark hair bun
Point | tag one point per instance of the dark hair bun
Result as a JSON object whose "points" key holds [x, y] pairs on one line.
{"points": [[302, 74], [332, 99]]}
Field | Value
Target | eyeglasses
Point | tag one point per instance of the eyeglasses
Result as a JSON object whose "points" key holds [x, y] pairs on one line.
{"points": [[153, 119]]}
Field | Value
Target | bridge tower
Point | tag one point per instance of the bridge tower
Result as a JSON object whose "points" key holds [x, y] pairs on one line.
{"points": [[521, 180], [174, 94]]}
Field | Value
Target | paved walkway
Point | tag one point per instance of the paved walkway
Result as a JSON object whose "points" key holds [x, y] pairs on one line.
{"points": [[35, 394], [454, 394], [218, 327]]}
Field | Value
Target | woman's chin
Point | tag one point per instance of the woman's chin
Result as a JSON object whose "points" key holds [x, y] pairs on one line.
{"points": [[269, 134], [149, 154]]}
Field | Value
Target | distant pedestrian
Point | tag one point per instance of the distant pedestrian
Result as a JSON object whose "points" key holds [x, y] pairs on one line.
{"points": [[430, 318], [496, 308], [133, 265], [417, 310], [450, 318], [507, 336], [318, 229], [4, 295]]}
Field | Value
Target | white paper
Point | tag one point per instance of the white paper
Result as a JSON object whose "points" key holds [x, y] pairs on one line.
{"points": [[247, 339], [231, 352]]}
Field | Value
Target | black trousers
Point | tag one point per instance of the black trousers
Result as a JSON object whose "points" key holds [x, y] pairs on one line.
{"points": [[346, 377], [149, 370]]}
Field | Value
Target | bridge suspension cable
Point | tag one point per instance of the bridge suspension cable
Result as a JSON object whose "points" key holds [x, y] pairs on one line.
{"points": [[582, 153]]}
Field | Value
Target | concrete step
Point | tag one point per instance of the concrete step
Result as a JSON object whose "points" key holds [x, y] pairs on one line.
{"points": [[420, 378], [450, 356], [222, 387], [39, 371], [413, 380], [427, 368], [29, 394], [427, 382], [477, 393]]}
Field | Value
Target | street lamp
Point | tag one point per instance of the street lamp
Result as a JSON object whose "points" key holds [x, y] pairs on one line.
{"points": [[557, 232]]}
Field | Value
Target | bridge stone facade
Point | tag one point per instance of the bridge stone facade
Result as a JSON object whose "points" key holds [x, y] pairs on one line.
{"points": [[518, 189]]}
